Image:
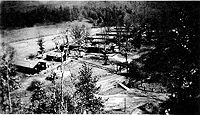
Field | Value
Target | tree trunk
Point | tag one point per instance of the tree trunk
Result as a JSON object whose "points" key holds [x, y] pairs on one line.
{"points": [[9, 98], [68, 51], [106, 59], [8, 93], [126, 61], [61, 101], [127, 48], [2, 101]]}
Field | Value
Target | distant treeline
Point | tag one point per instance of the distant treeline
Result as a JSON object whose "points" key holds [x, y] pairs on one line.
{"points": [[19, 17], [99, 13], [42, 14]]}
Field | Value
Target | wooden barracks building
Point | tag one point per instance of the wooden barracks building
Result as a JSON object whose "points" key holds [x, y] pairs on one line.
{"points": [[30, 66]]}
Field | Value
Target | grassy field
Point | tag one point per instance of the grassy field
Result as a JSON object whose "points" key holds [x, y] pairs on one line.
{"points": [[32, 32], [25, 40], [15, 35]]}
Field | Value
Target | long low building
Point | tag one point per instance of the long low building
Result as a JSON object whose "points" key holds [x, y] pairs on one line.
{"points": [[121, 59], [99, 37], [30, 66], [113, 33], [108, 34]]}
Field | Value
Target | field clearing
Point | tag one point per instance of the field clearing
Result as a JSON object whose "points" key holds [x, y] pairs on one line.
{"points": [[27, 47], [25, 40], [36, 31], [32, 32]]}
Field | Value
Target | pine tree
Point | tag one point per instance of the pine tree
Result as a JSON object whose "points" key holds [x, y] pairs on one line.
{"points": [[47, 99], [84, 97], [9, 81], [40, 43], [175, 60], [79, 33]]}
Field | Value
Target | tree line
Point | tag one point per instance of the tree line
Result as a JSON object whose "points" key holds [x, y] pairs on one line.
{"points": [[99, 13], [174, 62], [43, 14]]}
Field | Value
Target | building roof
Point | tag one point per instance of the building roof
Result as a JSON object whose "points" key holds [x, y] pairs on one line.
{"points": [[27, 63], [98, 40], [100, 37], [118, 58], [122, 27], [108, 33], [112, 33], [54, 53], [117, 30]]}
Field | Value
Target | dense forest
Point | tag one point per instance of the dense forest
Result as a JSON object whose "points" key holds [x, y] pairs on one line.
{"points": [[15, 18], [20, 14], [109, 13]]}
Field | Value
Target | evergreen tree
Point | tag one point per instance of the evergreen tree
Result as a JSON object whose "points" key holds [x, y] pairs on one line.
{"points": [[9, 81], [79, 32], [40, 43], [175, 59], [84, 97], [47, 99]]}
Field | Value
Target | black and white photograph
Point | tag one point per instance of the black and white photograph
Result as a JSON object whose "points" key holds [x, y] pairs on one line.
{"points": [[99, 57]]}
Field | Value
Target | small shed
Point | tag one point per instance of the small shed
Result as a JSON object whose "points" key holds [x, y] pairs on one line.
{"points": [[93, 49], [30, 66], [120, 61], [55, 55], [100, 39]]}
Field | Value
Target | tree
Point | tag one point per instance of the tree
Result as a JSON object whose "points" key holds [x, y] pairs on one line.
{"points": [[85, 89], [38, 98], [74, 13], [40, 43], [105, 31], [47, 99], [78, 32], [9, 80], [175, 59], [128, 22]]}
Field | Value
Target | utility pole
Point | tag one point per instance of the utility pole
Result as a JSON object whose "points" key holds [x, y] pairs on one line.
{"points": [[125, 105], [119, 32], [126, 49], [62, 49], [62, 71], [105, 50], [61, 102]]}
